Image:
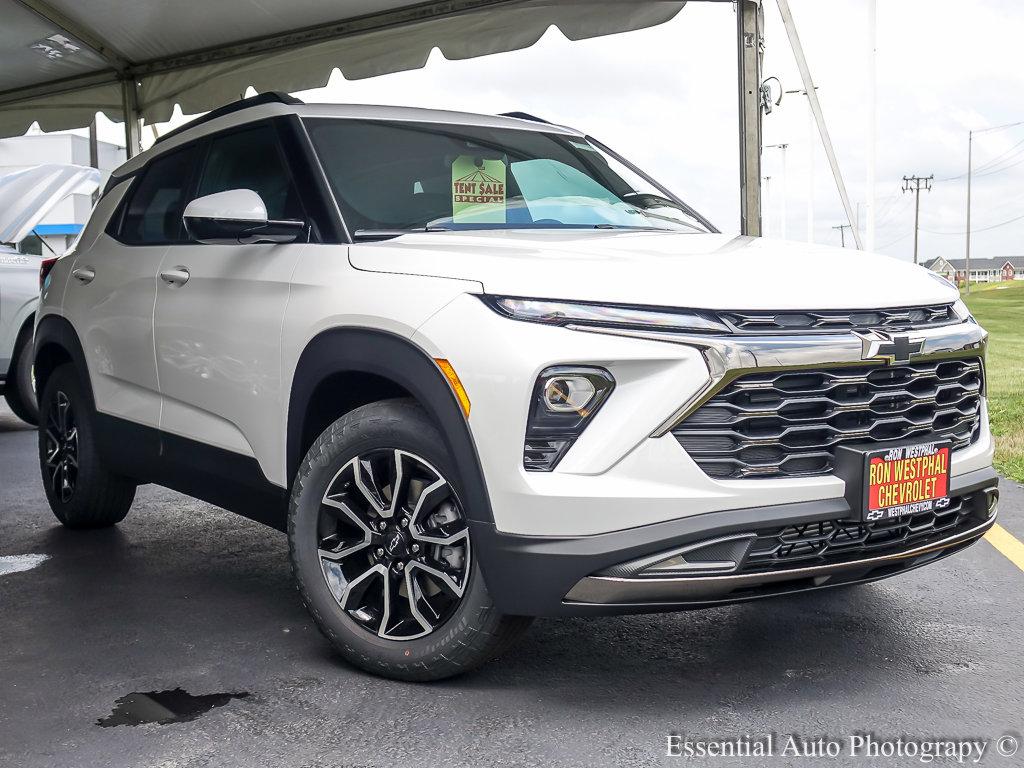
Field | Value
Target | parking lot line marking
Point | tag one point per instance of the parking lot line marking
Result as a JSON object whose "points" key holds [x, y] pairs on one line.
{"points": [[1007, 543]]}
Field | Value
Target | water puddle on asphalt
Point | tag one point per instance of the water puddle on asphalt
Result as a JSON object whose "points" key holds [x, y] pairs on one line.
{"points": [[19, 563], [164, 707]]}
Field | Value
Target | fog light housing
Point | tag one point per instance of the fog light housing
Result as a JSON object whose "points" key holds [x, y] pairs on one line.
{"points": [[565, 399], [568, 394]]}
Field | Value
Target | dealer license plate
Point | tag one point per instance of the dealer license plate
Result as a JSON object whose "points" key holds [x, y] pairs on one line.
{"points": [[906, 480]]}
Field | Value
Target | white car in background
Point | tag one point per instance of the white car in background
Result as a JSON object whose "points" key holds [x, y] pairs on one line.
{"points": [[26, 196]]}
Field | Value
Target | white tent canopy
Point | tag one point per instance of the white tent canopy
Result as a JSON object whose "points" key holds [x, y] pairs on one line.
{"points": [[61, 61]]}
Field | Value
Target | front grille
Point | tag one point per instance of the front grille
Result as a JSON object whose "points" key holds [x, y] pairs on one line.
{"points": [[836, 541], [788, 424], [838, 321]]}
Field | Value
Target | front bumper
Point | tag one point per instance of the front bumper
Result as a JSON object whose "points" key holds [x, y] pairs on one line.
{"points": [[551, 576]]}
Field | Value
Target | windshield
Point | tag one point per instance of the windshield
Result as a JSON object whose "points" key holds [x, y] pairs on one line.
{"points": [[392, 177]]}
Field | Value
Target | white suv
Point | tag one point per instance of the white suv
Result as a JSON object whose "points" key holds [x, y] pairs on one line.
{"points": [[483, 369]]}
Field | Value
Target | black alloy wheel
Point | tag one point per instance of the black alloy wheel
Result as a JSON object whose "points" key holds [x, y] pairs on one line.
{"points": [[61, 447], [80, 487], [394, 544]]}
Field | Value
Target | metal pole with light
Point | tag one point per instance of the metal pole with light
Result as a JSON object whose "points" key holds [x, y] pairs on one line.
{"points": [[967, 261], [970, 147]]}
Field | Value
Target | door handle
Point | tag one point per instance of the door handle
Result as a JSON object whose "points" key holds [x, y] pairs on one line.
{"points": [[84, 275], [175, 277]]}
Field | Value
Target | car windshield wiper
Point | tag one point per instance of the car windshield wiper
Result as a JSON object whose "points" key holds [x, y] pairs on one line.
{"points": [[387, 234]]}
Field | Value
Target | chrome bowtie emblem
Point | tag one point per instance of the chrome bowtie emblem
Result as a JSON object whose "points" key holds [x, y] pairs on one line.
{"points": [[876, 345], [394, 543]]}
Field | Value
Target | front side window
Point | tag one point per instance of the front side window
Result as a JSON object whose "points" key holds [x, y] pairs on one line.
{"points": [[153, 213], [414, 176], [250, 159]]}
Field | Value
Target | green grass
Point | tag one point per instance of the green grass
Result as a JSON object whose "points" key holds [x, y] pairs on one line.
{"points": [[999, 307]]}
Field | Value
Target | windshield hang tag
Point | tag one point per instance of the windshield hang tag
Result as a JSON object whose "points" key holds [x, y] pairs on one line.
{"points": [[478, 191]]}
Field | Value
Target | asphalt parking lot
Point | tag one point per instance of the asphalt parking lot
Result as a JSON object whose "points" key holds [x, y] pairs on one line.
{"points": [[182, 595]]}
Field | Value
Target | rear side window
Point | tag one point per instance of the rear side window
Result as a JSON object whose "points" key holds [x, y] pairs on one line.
{"points": [[251, 159], [154, 210]]}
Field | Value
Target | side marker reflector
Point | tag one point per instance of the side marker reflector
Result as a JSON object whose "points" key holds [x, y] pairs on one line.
{"points": [[456, 385]]}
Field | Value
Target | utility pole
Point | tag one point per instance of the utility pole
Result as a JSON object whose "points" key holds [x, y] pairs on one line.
{"points": [[913, 183], [842, 232], [785, 187]]}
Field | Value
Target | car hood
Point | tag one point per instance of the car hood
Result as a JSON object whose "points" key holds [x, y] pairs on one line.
{"points": [[26, 196], [710, 271]]}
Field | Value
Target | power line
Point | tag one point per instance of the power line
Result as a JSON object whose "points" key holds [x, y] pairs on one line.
{"points": [[893, 212], [897, 240], [989, 163], [993, 170], [975, 229], [884, 205]]}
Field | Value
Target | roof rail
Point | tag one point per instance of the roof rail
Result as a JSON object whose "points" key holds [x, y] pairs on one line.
{"points": [[525, 116], [270, 97]]}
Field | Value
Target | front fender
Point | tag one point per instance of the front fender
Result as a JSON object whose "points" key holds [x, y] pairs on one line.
{"points": [[392, 357]]}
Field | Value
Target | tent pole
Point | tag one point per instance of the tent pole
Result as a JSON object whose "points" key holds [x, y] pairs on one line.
{"points": [[819, 118], [132, 117], [94, 152], [749, 43]]}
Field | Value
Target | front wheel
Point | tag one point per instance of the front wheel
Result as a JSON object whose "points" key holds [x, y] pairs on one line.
{"points": [[381, 549]]}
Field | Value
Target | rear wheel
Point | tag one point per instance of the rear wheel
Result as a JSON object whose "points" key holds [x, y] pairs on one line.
{"points": [[382, 553], [82, 491], [21, 391]]}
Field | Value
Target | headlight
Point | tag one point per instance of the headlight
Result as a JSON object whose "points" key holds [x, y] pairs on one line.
{"points": [[960, 310], [604, 315], [939, 278]]}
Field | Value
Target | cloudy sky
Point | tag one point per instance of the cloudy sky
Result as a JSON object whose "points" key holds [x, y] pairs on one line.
{"points": [[666, 98]]}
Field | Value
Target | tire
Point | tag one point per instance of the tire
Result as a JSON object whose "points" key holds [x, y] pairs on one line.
{"points": [[82, 492], [21, 391], [341, 503]]}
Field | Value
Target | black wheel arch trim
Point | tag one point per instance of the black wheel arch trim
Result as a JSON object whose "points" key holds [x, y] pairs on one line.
{"points": [[54, 331], [399, 360]]}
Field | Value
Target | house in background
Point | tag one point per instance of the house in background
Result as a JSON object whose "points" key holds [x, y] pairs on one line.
{"points": [[983, 270], [61, 226]]}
